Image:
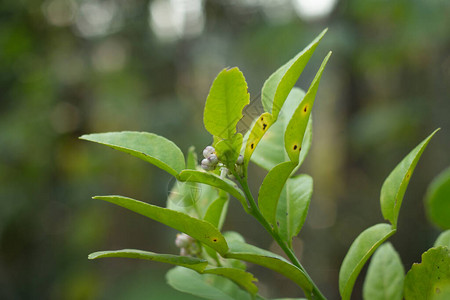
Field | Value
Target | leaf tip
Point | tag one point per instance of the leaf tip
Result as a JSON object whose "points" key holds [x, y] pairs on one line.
{"points": [[435, 131], [93, 255], [101, 197]]}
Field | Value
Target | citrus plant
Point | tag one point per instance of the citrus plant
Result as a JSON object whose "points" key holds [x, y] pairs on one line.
{"points": [[211, 263]]}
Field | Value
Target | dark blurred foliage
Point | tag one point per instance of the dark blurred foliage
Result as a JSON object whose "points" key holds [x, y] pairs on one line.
{"points": [[73, 67]]}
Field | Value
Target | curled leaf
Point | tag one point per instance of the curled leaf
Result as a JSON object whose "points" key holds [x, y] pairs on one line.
{"points": [[394, 187], [358, 254]]}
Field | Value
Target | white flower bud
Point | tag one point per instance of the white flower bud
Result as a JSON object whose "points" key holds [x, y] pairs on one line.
{"points": [[184, 252], [183, 240], [208, 151], [206, 165], [240, 160], [213, 159]]}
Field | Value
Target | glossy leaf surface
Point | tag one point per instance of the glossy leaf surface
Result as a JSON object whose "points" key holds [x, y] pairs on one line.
{"points": [[252, 254], [150, 147], [437, 200], [358, 254], [226, 99], [385, 276], [443, 239], [295, 131], [428, 279], [200, 230], [394, 187], [206, 286], [271, 188], [213, 180], [293, 206], [193, 263], [278, 86]]}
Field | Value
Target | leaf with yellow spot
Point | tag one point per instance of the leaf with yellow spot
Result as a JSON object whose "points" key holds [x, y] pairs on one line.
{"points": [[394, 187], [270, 151], [429, 279], [258, 130], [295, 131], [200, 230], [278, 86]]}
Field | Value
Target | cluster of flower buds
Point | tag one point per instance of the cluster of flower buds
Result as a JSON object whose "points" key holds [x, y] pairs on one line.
{"points": [[187, 244], [210, 161]]}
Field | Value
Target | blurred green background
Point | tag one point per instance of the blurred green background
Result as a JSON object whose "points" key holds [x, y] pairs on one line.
{"points": [[69, 67]]}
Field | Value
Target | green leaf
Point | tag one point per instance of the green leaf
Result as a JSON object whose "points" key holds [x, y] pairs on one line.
{"points": [[216, 211], [442, 240], [241, 277], [385, 276], [252, 254], [214, 180], [270, 151], [200, 230], [191, 160], [437, 200], [358, 254], [295, 131], [227, 97], [290, 299], [228, 150], [270, 190], [150, 147], [206, 286], [293, 206], [395, 185], [193, 263], [428, 279], [279, 84]]}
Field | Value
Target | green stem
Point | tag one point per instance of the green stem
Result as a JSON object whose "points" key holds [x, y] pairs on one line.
{"points": [[254, 211]]}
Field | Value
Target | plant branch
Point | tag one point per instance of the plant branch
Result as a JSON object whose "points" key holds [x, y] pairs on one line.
{"points": [[254, 211]]}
